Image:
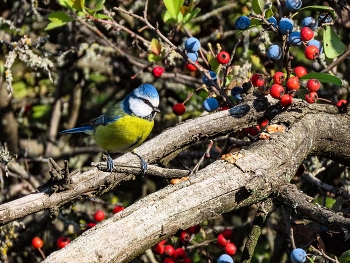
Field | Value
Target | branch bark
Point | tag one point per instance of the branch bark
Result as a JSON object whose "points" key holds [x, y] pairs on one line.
{"points": [[216, 189]]}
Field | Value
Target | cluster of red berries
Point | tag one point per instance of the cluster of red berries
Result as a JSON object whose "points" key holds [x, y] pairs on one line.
{"points": [[293, 83], [224, 240], [177, 255], [255, 130]]}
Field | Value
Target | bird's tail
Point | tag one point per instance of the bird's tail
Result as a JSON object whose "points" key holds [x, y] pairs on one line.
{"points": [[86, 129]]}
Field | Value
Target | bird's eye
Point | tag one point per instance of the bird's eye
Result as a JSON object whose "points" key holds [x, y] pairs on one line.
{"points": [[146, 101]]}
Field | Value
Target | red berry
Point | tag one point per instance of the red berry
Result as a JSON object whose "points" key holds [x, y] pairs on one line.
{"points": [[341, 103], [62, 242], [194, 229], [223, 57], [313, 85], [300, 71], [255, 130], [188, 260], [278, 77], [286, 100], [169, 250], [157, 71], [306, 34], [37, 242], [227, 233], [90, 225], [168, 260], [230, 249], [190, 67], [99, 215], [225, 107], [311, 52], [179, 109], [293, 83], [162, 242], [222, 241], [158, 249], [117, 209], [311, 97], [185, 236], [258, 80], [179, 255], [276, 91], [263, 123]]}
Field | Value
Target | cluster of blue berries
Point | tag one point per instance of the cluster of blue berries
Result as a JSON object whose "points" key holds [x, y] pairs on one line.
{"points": [[192, 46], [295, 38]]}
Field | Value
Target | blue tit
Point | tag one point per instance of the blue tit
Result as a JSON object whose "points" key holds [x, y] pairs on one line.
{"points": [[125, 125]]}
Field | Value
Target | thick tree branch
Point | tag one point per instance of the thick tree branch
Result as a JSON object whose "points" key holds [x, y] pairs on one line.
{"points": [[216, 189]]}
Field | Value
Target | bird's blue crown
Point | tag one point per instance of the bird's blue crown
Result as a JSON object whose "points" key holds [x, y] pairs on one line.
{"points": [[146, 90]]}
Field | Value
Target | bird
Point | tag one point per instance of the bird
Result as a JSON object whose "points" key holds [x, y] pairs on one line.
{"points": [[125, 125]]}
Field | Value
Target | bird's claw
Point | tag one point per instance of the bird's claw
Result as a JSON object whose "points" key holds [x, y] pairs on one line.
{"points": [[144, 165], [110, 163]]}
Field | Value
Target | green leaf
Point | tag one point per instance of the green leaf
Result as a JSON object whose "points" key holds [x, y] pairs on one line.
{"points": [[58, 19], [318, 8], [153, 58], [102, 16], [99, 5], [333, 46], [268, 13], [78, 5], [193, 13], [156, 47], [173, 6], [323, 77], [214, 64], [167, 18], [257, 6]]}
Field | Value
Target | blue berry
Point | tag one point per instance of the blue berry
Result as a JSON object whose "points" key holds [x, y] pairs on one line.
{"points": [[327, 20], [272, 20], [207, 81], [293, 5], [193, 56], [236, 90], [242, 23], [285, 25], [274, 52], [224, 258], [294, 38], [210, 104], [192, 44], [316, 43], [237, 97], [310, 22], [298, 255]]}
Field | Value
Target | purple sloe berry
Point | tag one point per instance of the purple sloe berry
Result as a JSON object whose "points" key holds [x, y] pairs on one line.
{"points": [[210, 104], [224, 258], [192, 44], [293, 5], [242, 23], [310, 22], [193, 56], [298, 255], [274, 52], [207, 81], [294, 38], [285, 25]]}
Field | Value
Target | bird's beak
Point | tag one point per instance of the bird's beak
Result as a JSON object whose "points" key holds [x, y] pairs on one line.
{"points": [[156, 109]]}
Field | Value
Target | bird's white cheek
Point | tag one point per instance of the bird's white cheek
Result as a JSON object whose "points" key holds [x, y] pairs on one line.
{"points": [[139, 108]]}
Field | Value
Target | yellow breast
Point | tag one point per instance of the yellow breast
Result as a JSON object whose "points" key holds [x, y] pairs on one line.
{"points": [[123, 135]]}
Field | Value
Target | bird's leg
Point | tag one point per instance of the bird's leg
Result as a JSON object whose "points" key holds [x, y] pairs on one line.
{"points": [[144, 165], [110, 163]]}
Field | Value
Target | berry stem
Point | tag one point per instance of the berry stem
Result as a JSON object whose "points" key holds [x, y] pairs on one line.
{"points": [[325, 100], [42, 253]]}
